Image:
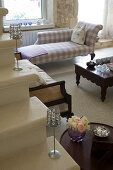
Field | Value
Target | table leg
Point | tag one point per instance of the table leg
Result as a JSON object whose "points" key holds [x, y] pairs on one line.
{"points": [[77, 79], [103, 93]]}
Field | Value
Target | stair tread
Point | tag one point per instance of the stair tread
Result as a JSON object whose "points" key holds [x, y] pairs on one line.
{"points": [[36, 157], [21, 114], [8, 76]]}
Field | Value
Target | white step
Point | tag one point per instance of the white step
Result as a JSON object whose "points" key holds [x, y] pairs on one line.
{"points": [[14, 85], [7, 46], [22, 124], [36, 158]]}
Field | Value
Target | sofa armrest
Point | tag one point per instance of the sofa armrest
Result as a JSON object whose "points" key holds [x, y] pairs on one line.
{"points": [[91, 33], [54, 36]]}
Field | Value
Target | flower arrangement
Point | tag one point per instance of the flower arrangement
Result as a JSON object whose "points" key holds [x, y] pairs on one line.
{"points": [[78, 124]]}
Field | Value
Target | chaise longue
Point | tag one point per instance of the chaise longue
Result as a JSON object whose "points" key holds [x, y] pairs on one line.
{"points": [[57, 45]]}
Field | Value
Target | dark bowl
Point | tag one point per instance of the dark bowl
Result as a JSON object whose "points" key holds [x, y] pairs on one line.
{"points": [[91, 64]]}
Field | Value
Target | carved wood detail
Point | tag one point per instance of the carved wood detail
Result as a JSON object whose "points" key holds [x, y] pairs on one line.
{"points": [[100, 79]]}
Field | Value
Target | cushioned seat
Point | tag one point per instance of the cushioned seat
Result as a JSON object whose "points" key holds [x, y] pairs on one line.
{"points": [[48, 94], [59, 51], [57, 45]]}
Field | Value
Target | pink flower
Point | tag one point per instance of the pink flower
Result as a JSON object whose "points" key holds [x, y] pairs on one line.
{"points": [[80, 124], [74, 117], [77, 120], [81, 127], [69, 122], [74, 125], [87, 127], [84, 120]]}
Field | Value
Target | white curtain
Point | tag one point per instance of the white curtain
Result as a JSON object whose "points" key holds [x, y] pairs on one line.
{"points": [[91, 11], [108, 20], [98, 12]]}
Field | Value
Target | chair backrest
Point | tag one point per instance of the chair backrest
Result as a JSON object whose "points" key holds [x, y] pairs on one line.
{"points": [[91, 33]]}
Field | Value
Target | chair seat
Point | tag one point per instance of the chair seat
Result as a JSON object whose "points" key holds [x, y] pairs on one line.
{"points": [[48, 94]]}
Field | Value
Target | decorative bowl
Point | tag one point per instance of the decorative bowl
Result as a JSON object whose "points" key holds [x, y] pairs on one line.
{"points": [[91, 64], [101, 131]]}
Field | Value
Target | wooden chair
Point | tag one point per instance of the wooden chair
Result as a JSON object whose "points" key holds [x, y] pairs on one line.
{"points": [[54, 94]]}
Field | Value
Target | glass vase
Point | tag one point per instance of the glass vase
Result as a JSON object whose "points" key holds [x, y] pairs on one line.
{"points": [[75, 135]]}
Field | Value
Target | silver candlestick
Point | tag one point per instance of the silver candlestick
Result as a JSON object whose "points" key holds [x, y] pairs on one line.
{"points": [[16, 34], [53, 120]]}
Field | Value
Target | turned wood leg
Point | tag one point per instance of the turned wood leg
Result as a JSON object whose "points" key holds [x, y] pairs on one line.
{"points": [[77, 79], [103, 93], [92, 56], [69, 107]]}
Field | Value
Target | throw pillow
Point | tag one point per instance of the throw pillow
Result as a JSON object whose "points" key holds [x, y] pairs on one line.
{"points": [[78, 35]]}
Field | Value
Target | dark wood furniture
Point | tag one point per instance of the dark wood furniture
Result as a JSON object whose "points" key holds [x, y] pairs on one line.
{"points": [[18, 55], [81, 152], [53, 94], [100, 79]]}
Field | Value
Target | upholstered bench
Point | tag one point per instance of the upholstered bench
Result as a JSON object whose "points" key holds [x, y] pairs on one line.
{"points": [[57, 45]]}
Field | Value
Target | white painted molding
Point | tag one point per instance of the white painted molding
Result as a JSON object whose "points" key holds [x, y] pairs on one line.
{"points": [[6, 42], [7, 46], [3, 12]]}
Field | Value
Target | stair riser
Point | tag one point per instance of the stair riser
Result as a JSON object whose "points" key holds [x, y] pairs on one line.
{"points": [[14, 93], [14, 142], [7, 57]]}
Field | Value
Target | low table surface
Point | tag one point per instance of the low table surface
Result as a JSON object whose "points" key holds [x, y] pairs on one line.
{"points": [[103, 80], [94, 71], [81, 152]]}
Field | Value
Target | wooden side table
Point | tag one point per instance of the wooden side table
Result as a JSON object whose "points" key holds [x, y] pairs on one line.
{"points": [[81, 152]]}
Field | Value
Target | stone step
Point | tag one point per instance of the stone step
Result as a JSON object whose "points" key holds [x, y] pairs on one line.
{"points": [[22, 124], [7, 46], [36, 158], [14, 85]]}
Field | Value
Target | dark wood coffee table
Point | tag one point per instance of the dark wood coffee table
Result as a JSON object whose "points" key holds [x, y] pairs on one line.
{"points": [[100, 79], [81, 152]]}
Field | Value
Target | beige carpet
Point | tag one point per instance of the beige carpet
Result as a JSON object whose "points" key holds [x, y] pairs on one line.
{"points": [[86, 101], [85, 98]]}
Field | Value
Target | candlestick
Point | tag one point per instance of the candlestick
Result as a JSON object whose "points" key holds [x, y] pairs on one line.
{"points": [[53, 120], [15, 33]]}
